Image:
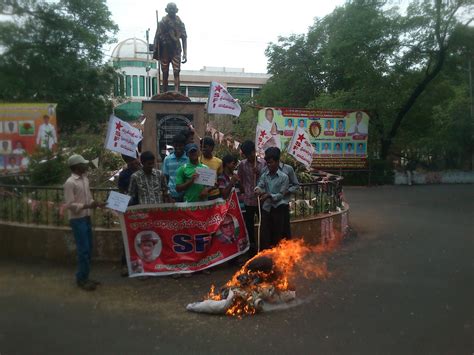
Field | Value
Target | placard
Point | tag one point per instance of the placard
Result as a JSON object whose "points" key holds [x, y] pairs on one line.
{"points": [[117, 201], [206, 176]]}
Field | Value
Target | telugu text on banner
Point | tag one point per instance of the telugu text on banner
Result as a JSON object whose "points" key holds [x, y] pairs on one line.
{"points": [[301, 148], [183, 237], [122, 137], [221, 102]]}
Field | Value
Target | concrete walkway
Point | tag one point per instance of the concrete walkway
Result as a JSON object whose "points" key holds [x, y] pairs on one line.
{"points": [[405, 285]]}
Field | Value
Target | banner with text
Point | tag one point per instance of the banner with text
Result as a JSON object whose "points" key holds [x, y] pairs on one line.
{"points": [[221, 102], [170, 238], [339, 137], [23, 129], [122, 137], [301, 148]]}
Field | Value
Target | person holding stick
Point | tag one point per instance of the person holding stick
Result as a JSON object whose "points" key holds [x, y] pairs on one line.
{"points": [[249, 171], [271, 189]]}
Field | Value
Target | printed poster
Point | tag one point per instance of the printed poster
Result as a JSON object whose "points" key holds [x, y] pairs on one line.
{"points": [[175, 238], [23, 129], [339, 137]]}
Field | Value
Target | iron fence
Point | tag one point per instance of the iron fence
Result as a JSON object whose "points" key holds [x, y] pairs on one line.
{"points": [[43, 205], [319, 197]]}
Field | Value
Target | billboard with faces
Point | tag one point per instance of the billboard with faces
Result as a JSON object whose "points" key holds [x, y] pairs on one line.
{"points": [[339, 137]]}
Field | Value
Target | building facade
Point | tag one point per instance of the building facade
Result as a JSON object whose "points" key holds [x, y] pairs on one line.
{"points": [[138, 76]]}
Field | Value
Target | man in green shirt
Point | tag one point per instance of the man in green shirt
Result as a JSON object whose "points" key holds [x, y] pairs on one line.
{"points": [[186, 175]]}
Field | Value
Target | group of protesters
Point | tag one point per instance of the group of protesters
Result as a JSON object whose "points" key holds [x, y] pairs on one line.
{"points": [[264, 187]]}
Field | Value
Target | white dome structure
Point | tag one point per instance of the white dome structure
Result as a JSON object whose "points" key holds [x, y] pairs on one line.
{"points": [[130, 49]]}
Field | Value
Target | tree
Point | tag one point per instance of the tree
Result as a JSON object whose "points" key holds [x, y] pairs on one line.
{"points": [[52, 52], [368, 55]]}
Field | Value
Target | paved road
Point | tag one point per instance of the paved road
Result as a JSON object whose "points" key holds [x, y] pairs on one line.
{"points": [[405, 285]]}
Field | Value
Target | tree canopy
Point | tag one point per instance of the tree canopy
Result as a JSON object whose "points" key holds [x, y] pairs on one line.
{"points": [[405, 67], [52, 52]]}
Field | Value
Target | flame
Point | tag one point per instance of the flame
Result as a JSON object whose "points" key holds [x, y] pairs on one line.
{"points": [[291, 259]]}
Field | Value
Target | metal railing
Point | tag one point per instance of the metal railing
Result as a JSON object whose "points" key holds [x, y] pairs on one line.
{"points": [[43, 205], [319, 197]]}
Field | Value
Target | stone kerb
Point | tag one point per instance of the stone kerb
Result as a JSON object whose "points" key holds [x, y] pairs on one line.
{"points": [[33, 242]]}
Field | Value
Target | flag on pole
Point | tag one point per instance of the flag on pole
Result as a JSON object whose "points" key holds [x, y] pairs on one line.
{"points": [[122, 137], [301, 148], [262, 136], [221, 102]]}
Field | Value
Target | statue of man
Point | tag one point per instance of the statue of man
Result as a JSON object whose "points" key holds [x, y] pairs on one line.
{"points": [[167, 45]]}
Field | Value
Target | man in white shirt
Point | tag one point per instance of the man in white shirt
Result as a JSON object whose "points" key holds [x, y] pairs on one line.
{"points": [[349, 148], [46, 137], [270, 125], [5, 148], [326, 149], [359, 127], [12, 165], [19, 149]]}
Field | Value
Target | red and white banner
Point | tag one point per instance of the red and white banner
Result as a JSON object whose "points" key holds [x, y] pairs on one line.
{"points": [[175, 238], [262, 137], [122, 137], [300, 147], [221, 102]]}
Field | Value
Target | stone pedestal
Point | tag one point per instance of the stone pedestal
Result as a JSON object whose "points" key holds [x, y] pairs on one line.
{"points": [[164, 119]]}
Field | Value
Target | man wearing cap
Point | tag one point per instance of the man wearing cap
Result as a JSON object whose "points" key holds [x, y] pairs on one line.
{"points": [[186, 175], [79, 204], [147, 244]]}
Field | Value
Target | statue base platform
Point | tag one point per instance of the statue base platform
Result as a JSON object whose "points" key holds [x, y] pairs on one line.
{"points": [[166, 115]]}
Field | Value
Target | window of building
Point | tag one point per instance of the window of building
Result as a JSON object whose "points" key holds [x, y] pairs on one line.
{"points": [[135, 85], [153, 86], [198, 91], [142, 85], [128, 85], [182, 89], [240, 93], [121, 80]]}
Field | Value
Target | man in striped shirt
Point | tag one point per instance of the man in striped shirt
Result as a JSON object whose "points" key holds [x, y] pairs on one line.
{"points": [[148, 186]]}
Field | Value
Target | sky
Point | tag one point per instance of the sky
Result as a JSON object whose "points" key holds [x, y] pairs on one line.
{"points": [[223, 33]]}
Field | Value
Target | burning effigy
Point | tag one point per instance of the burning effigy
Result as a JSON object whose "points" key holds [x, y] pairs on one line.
{"points": [[266, 280]]}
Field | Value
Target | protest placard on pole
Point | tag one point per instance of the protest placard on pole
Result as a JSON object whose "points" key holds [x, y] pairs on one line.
{"points": [[262, 136], [122, 137], [221, 102], [300, 147]]}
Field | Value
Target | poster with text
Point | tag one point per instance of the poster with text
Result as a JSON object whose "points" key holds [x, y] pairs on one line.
{"points": [[23, 129], [176, 238], [339, 137]]}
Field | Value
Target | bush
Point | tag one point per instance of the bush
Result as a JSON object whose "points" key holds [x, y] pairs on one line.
{"points": [[50, 168], [47, 168]]}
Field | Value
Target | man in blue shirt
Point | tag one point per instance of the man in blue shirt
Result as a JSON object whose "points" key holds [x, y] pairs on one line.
{"points": [[171, 164], [272, 189]]}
